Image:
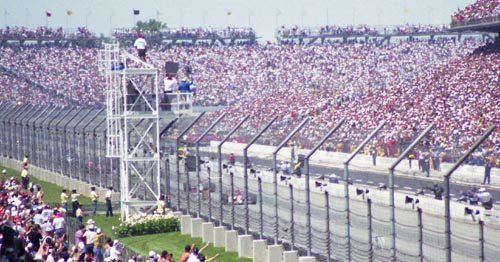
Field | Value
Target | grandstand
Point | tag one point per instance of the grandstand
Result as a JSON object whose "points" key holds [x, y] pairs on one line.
{"points": [[367, 34], [174, 36], [339, 80], [481, 16]]}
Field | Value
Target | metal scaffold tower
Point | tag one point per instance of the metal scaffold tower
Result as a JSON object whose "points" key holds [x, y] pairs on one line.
{"points": [[132, 103]]}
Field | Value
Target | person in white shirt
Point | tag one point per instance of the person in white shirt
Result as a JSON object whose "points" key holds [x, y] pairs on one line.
{"points": [[109, 207], [90, 236], [485, 198], [74, 201], [140, 44], [170, 83], [24, 177], [59, 224]]}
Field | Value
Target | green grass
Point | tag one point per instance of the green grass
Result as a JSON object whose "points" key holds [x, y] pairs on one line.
{"points": [[52, 192], [172, 242]]}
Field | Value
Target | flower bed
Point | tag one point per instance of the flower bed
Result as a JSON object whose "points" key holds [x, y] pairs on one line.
{"points": [[148, 224]]}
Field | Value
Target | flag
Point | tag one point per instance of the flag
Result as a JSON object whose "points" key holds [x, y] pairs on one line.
{"points": [[136, 12], [158, 13], [229, 13], [278, 12], [405, 10], [6, 13], [69, 12], [48, 14]]}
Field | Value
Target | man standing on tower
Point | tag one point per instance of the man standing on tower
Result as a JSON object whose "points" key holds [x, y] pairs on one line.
{"points": [[141, 44]]}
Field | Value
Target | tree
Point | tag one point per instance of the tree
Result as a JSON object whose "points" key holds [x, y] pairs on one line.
{"points": [[150, 26]]}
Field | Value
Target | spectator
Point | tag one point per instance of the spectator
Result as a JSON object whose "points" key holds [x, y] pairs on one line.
{"points": [[74, 201], [161, 205], [90, 238], [487, 171], [187, 252], [193, 257], [163, 256], [98, 245], [140, 44], [24, 176], [373, 153], [94, 196], [79, 214], [64, 199], [109, 207], [170, 82], [59, 224]]}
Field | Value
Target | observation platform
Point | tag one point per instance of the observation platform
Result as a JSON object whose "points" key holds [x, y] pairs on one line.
{"points": [[489, 24]]}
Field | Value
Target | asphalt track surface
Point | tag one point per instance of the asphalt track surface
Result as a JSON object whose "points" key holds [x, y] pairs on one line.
{"points": [[408, 184]]}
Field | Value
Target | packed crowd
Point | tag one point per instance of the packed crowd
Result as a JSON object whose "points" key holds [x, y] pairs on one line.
{"points": [[409, 84], [188, 33], [360, 30], [25, 91], [420, 29], [33, 230], [328, 30], [477, 11], [68, 75], [43, 32]]}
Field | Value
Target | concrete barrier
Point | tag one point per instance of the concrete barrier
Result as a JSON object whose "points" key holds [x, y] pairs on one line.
{"points": [[219, 236], [307, 259], [196, 229], [274, 253], [185, 225], [231, 241], [245, 247], [208, 232], [290, 256], [259, 250]]}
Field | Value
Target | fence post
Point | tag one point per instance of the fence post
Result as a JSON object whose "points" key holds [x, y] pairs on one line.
{"points": [[328, 233], [177, 158], [292, 221], [231, 175], [346, 187], [370, 229], [245, 170], [188, 185], [167, 178], [219, 154], [275, 177], [447, 188], [261, 210], [481, 240], [198, 158], [308, 190], [210, 196], [420, 235], [391, 188]]}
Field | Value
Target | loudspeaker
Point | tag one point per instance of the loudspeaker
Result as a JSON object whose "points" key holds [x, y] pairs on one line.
{"points": [[171, 68]]}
